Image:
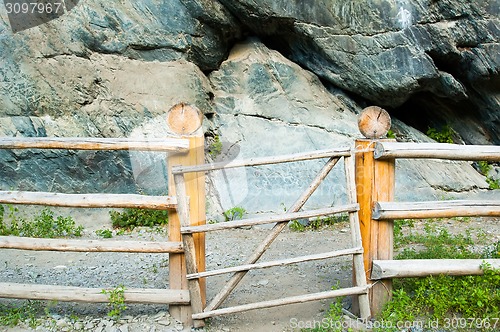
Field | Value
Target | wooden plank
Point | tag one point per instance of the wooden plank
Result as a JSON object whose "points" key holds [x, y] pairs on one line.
{"points": [[410, 268], [270, 219], [87, 143], [77, 245], [190, 249], [195, 189], [90, 295], [264, 245], [436, 209], [384, 188], [284, 301], [374, 179], [390, 150], [359, 273], [331, 153], [364, 176], [281, 262], [176, 262], [88, 200]]}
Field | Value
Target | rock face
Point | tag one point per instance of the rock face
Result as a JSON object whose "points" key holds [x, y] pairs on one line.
{"points": [[104, 96], [272, 77], [441, 56], [266, 103]]}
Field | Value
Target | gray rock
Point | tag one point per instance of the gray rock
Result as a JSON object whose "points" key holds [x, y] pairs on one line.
{"points": [[132, 101], [267, 105], [89, 326], [124, 328], [264, 104], [114, 71], [440, 56], [195, 30]]}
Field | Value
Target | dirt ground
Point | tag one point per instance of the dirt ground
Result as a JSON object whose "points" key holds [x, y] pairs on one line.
{"points": [[224, 249]]}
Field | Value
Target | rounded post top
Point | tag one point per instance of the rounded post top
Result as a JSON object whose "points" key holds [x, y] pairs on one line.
{"points": [[374, 122], [184, 119]]}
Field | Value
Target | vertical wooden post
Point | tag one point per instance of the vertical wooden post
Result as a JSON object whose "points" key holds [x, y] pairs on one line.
{"points": [[374, 182], [181, 119]]}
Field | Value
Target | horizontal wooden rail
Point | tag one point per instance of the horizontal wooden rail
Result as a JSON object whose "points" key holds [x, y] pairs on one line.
{"points": [[435, 209], [80, 294], [340, 152], [269, 219], [383, 269], [284, 301], [281, 262], [387, 150], [77, 245], [77, 143], [89, 200]]}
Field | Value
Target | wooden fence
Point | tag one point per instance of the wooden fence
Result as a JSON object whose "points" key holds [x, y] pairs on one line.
{"points": [[173, 296], [375, 167], [371, 208]]}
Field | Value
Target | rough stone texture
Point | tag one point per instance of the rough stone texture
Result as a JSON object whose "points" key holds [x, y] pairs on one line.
{"points": [[113, 70], [445, 54], [266, 103], [111, 96], [195, 30]]}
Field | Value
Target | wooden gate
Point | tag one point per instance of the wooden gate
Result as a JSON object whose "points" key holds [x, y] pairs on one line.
{"points": [[193, 274]]}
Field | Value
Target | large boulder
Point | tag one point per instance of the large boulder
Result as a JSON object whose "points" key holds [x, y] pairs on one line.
{"points": [[267, 105]]}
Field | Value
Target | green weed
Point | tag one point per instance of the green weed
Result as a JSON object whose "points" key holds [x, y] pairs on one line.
{"points": [[439, 243], [116, 298], [12, 315], [104, 233], [297, 226], [215, 148], [391, 134], [439, 297], [484, 169], [131, 218], [444, 135], [442, 297], [235, 213], [492, 183], [43, 225], [317, 223]]}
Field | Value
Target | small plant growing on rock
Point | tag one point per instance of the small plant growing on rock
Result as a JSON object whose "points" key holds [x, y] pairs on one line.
{"points": [[215, 148], [485, 168], [445, 135]]}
